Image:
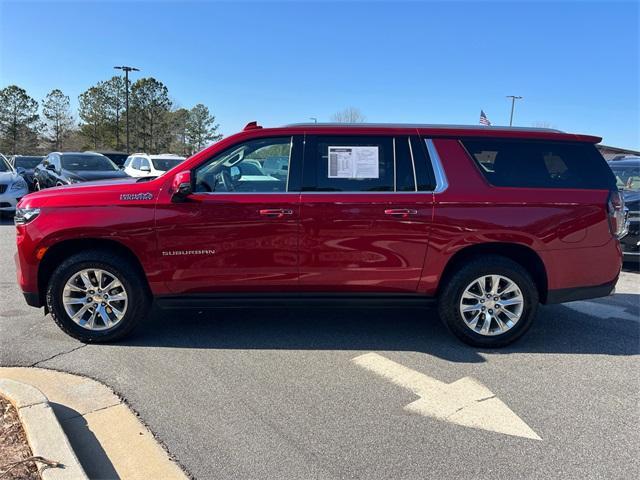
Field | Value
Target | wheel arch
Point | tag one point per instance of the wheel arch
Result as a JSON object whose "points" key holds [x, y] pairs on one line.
{"points": [[60, 251], [521, 254]]}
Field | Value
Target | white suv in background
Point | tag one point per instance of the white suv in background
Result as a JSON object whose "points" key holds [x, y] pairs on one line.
{"points": [[144, 165], [12, 186]]}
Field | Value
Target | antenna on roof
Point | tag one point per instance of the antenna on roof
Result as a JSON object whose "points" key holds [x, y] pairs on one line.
{"points": [[252, 126]]}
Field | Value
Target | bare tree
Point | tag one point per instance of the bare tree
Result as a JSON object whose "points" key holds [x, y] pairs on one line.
{"points": [[348, 115]]}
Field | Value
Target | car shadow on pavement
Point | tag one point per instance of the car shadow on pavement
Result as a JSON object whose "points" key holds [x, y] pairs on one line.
{"points": [[565, 329], [86, 446]]}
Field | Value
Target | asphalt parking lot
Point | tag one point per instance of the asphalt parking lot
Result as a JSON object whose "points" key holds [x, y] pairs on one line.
{"points": [[276, 393]]}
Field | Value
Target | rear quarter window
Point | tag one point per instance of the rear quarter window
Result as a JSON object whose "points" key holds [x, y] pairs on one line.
{"points": [[540, 164]]}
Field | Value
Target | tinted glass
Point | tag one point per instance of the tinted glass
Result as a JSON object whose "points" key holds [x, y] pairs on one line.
{"points": [[164, 164], [405, 178], [423, 166], [27, 162], [260, 165], [87, 162], [541, 164], [4, 165], [349, 164]]}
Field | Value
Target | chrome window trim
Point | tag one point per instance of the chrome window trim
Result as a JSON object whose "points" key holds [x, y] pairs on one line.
{"points": [[395, 182], [286, 187], [436, 164]]}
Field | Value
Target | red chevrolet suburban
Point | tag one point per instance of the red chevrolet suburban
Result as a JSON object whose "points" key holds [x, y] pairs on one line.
{"points": [[488, 221]]}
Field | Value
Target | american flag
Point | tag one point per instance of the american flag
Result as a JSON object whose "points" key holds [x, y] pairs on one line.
{"points": [[484, 120]]}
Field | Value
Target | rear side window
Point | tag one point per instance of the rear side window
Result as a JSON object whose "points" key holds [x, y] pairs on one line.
{"points": [[540, 164], [349, 164]]}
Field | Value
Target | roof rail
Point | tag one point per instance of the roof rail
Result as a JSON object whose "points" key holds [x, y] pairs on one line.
{"points": [[419, 125]]}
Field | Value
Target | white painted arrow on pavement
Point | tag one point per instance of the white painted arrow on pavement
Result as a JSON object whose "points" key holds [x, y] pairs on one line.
{"points": [[464, 402]]}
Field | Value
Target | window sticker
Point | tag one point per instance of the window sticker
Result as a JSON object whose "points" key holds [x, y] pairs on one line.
{"points": [[353, 162]]}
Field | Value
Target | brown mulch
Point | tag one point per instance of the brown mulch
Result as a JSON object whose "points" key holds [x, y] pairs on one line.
{"points": [[14, 446]]}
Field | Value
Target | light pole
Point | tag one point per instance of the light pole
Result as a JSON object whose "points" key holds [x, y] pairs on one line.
{"points": [[126, 71], [513, 104]]}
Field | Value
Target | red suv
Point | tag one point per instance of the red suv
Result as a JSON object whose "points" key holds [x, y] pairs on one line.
{"points": [[487, 221]]}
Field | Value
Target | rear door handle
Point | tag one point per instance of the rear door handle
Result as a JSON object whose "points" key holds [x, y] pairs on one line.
{"points": [[400, 212], [275, 212]]}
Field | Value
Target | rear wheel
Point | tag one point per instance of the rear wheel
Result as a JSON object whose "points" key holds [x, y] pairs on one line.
{"points": [[489, 302], [96, 296]]}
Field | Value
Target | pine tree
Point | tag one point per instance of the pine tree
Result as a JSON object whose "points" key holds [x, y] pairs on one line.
{"points": [[19, 120], [59, 121]]}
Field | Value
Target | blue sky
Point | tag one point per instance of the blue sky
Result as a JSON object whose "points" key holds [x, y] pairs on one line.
{"points": [[576, 63]]}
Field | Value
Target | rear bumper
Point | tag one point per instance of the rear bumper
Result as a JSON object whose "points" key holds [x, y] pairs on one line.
{"points": [[581, 293]]}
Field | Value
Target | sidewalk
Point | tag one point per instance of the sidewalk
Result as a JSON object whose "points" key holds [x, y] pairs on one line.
{"points": [[108, 439]]}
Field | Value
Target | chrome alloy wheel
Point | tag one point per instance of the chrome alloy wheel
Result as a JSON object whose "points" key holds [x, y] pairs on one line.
{"points": [[491, 305], [95, 299]]}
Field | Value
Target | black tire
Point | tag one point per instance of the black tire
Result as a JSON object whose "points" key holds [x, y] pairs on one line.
{"points": [[456, 283], [139, 298]]}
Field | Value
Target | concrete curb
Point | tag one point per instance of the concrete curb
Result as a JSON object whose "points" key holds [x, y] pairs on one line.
{"points": [[44, 434], [108, 438]]}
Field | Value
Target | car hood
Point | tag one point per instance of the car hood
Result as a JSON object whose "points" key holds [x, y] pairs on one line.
{"points": [[8, 177], [88, 175], [632, 199]]}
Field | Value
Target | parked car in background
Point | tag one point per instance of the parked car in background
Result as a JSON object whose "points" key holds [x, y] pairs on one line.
{"points": [[627, 172], [143, 165], [116, 157], [487, 221], [25, 165], [12, 186], [66, 168]]}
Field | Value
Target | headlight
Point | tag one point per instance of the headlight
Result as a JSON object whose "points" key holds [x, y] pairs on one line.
{"points": [[18, 185], [25, 215]]}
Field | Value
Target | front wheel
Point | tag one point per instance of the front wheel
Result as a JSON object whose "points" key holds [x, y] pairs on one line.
{"points": [[96, 296], [489, 302]]}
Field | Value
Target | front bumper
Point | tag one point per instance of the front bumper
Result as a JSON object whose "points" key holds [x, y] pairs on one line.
{"points": [[630, 243]]}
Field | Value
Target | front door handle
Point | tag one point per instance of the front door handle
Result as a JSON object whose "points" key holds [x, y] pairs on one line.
{"points": [[400, 212], [275, 212]]}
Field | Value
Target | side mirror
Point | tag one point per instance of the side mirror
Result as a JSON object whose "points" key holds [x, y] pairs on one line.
{"points": [[181, 186], [20, 171], [145, 168]]}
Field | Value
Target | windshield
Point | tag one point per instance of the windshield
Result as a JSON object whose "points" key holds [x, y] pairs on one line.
{"points": [[87, 162], [4, 165], [627, 176], [164, 164], [27, 162]]}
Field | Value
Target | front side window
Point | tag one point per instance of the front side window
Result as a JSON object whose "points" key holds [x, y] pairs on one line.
{"points": [[349, 164], [136, 163], [260, 165], [540, 164]]}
